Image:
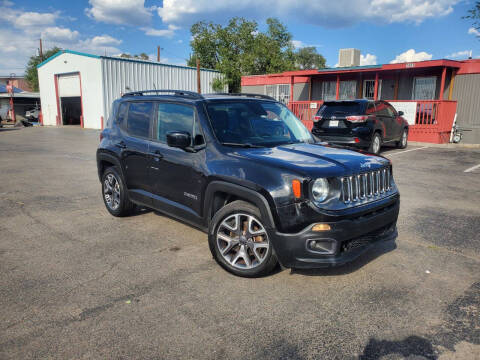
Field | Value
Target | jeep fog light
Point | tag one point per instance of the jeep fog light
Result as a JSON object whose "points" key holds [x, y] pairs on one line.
{"points": [[321, 246], [320, 189]]}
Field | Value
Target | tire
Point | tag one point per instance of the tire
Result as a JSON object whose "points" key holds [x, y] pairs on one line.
{"points": [[403, 142], [114, 193], [243, 254], [376, 144]]}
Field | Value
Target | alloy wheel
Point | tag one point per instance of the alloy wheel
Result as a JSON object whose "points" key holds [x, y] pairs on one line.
{"points": [[404, 138], [242, 241], [376, 144], [111, 192]]}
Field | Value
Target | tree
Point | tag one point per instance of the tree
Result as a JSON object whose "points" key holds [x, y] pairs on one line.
{"points": [[31, 74], [307, 58], [239, 48], [474, 15], [142, 56]]}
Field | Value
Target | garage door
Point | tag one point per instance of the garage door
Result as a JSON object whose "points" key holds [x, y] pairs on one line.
{"points": [[68, 85]]}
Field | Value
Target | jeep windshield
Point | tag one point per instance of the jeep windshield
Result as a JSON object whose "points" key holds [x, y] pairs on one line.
{"points": [[253, 123]]}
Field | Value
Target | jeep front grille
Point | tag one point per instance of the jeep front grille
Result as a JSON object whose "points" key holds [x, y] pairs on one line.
{"points": [[367, 186]]}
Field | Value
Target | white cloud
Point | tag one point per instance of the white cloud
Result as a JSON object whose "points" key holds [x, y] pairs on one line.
{"points": [[325, 12], [473, 31], [411, 56], [34, 19], [368, 59], [105, 40], [59, 34], [121, 12], [298, 44], [460, 54], [169, 32], [19, 38]]}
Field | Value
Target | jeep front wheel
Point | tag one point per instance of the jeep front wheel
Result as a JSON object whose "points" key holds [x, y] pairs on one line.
{"points": [[239, 241]]}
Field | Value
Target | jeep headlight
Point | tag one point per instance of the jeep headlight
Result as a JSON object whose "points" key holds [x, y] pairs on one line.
{"points": [[320, 189]]}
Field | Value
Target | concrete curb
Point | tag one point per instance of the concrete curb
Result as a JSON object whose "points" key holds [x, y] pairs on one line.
{"points": [[447, 146]]}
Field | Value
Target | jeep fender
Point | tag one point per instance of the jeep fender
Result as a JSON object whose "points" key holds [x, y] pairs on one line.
{"points": [[250, 195], [105, 156]]}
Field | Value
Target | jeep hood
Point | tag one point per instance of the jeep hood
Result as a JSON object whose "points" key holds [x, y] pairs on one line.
{"points": [[314, 160]]}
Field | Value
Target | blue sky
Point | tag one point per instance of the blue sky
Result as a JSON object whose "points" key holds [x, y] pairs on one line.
{"points": [[384, 30]]}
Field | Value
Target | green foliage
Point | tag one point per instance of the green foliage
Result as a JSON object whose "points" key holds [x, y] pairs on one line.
{"points": [[239, 48], [308, 58], [218, 85], [31, 74], [142, 56], [474, 15]]}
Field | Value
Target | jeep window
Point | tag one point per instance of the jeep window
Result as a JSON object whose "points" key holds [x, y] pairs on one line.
{"points": [[261, 123], [174, 117], [340, 109], [122, 112], [370, 108], [138, 118]]}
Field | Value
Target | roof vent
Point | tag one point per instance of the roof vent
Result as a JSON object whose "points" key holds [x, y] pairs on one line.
{"points": [[348, 57]]}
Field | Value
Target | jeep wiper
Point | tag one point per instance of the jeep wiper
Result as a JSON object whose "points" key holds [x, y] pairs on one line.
{"points": [[244, 145]]}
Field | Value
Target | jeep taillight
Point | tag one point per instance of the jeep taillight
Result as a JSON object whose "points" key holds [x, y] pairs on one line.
{"points": [[357, 118], [317, 118]]}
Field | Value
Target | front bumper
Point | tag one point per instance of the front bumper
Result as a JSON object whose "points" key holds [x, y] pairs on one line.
{"points": [[346, 240]]}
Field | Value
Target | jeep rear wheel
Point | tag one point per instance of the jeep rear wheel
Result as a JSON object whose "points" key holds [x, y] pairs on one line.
{"points": [[114, 193], [239, 241]]}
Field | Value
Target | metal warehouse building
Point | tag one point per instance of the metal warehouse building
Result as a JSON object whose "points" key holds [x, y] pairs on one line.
{"points": [[78, 88]]}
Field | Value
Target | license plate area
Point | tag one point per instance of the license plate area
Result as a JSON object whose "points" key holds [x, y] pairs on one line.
{"points": [[333, 123]]}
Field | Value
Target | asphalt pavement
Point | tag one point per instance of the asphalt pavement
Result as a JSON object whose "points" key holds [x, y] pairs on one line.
{"points": [[78, 283]]}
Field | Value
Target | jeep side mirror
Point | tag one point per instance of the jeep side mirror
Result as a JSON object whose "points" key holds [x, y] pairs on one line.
{"points": [[179, 139], [400, 113]]}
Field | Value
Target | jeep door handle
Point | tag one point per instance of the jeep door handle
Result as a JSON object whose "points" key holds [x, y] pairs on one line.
{"points": [[121, 145]]}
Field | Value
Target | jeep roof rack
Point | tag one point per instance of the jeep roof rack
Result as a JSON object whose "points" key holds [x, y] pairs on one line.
{"points": [[184, 93], [260, 96]]}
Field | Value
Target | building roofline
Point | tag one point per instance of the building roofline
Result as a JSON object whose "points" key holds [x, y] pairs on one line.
{"points": [[66, 51], [366, 68]]}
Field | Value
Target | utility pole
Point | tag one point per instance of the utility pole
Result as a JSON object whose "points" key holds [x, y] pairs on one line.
{"points": [[158, 53], [199, 86], [41, 50]]}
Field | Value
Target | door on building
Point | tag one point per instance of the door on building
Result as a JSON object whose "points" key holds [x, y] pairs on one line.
{"points": [[70, 99], [369, 89]]}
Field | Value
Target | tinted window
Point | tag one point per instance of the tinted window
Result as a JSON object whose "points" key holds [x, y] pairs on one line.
{"points": [[391, 110], [370, 108], [261, 123], [174, 117], [382, 109], [138, 119], [122, 112], [340, 109]]}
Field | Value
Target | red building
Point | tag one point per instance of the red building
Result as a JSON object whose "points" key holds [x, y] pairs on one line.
{"points": [[431, 93]]}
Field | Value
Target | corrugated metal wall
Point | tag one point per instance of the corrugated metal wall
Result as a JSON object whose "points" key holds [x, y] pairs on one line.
{"points": [[466, 90], [121, 76]]}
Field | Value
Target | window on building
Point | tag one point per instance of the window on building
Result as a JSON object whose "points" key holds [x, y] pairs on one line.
{"points": [[348, 90], [424, 88], [329, 90], [138, 118], [369, 89], [174, 117], [280, 92]]}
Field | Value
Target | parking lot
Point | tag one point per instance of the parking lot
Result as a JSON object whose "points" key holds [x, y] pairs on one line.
{"points": [[79, 283]]}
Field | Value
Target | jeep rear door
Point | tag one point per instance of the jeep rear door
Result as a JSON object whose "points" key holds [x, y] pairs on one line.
{"points": [[134, 146]]}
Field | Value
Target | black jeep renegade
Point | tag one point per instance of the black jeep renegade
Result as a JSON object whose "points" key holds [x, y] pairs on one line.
{"points": [[244, 168]]}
